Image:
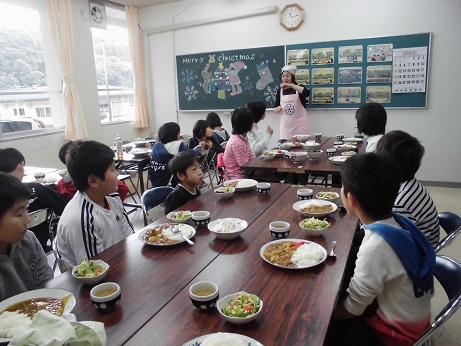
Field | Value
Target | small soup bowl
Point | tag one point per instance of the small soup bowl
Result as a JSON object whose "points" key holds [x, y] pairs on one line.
{"points": [[318, 135], [263, 187], [331, 151], [204, 294], [106, 296], [340, 137], [201, 217], [304, 193], [279, 229]]}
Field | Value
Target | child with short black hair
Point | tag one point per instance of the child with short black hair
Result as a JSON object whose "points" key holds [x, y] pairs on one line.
{"points": [[219, 133], [186, 167], [413, 200], [203, 139], [23, 263], [168, 145], [238, 150], [394, 263], [371, 121], [12, 161], [259, 139], [93, 220]]}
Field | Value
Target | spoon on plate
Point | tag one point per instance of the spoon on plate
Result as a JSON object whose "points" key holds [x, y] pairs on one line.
{"points": [[176, 231]]}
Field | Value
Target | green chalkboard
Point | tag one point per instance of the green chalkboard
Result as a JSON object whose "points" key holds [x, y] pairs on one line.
{"points": [[348, 73], [228, 79]]}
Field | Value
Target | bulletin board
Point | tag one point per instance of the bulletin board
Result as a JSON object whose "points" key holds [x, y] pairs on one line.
{"points": [[228, 79], [392, 71]]}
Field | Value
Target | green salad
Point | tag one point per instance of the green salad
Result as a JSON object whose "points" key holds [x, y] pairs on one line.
{"points": [[243, 305], [314, 223], [89, 269], [181, 215], [328, 195]]}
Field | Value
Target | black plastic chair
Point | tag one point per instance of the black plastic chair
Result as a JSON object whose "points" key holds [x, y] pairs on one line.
{"points": [[154, 198], [448, 273], [451, 224]]}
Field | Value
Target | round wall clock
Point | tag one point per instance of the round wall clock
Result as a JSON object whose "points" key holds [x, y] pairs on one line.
{"points": [[291, 17]]}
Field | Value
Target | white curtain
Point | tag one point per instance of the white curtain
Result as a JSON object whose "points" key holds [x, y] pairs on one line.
{"points": [[141, 107], [60, 19]]}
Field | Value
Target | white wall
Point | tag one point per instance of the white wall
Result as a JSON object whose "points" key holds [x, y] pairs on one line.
{"points": [[437, 127]]}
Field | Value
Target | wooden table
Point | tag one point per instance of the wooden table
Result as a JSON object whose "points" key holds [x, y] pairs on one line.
{"points": [[150, 277], [298, 304]]}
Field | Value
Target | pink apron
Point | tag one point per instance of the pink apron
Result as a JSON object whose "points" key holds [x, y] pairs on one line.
{"points": [[293, 116]]}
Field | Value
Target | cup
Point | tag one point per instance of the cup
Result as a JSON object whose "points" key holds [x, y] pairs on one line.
{"points": [[304, 193], [263, 187], [279, 229], [340, 137], [204, 294], [331, 151], [318, 135], [201, 217], [39, 175], [106, 296], [337, 142]]}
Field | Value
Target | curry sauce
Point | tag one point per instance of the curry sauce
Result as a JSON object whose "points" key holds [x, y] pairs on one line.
{"points": [[34, 305]]}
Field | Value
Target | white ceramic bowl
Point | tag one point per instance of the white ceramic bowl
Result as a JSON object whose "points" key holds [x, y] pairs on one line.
{"points": [[301, 138], [108, 302], [223, 302], [224, 192], [313, 155], [345, 147], [172, 216], [312, 231], [318, 202], [285, 145], [297, 156], [268, 155], [218, 229], [311, 145], [348, 153], [331, 196], [92, 280]]}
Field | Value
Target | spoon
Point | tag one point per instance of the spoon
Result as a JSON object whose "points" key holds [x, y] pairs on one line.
{"points": [[332, 252], [176, 231]]}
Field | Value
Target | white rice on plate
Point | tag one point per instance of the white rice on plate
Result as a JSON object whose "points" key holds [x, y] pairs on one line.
{"points": [[13, 322], [307, 255], [224, 339]]}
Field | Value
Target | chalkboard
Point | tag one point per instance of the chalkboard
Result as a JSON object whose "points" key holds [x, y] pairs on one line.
{"points": [[348, 73], [229, 79]]}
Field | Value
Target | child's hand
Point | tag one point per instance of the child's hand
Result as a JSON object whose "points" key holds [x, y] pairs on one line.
{"points": [[209, 145], [203, 144], [269, 130]]}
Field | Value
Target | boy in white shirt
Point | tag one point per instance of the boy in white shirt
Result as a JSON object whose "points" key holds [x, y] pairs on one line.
{"points": [[394, 263], [92, 220]]}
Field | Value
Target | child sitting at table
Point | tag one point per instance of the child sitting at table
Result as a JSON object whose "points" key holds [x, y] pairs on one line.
{"points": [[185, 166], [238, 150], [12, 161], [204, 140], [65, 186], [23, 263], [413, 200], [259, 139], [371, 121], [394, 263], [169, 143], [219, 133], [93, 220]]}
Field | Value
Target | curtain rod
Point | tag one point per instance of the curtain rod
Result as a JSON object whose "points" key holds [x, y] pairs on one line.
{"points": [[251, 13]]}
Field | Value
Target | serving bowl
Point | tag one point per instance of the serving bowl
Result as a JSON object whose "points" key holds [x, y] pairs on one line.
{"points": [[181, 216], [92, 279], [201, 217], [315, 207], [301, 138], [327, 195], [314, 154], [268, 155], [204, 295], [223, 302], [315, 229], [106, 296], [309, 145], [228, 228], [224, 192]]}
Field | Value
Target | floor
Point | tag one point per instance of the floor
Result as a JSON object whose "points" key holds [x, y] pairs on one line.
{"points": [[446, 199]]}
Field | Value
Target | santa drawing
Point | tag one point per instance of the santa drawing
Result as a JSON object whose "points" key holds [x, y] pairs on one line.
{"points": [[234, 79]]}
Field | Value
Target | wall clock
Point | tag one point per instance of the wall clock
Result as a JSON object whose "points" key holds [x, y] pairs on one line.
{"points": [[291, 17]]}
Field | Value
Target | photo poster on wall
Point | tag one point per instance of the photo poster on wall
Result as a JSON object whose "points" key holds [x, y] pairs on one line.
{"points": [[349, 73], [225, 80]]}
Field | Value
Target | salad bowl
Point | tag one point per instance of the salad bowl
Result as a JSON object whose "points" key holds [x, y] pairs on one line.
{"points": [[181, 216], [314, 227], [90, 272], [237, 302]]}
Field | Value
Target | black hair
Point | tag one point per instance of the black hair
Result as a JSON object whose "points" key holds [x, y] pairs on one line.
{"points": [[374, 180], [181, 162], [85, 158], [405, 148], [168, 132], [9, 159], [214, 120], [258, 108], [63, 151], [371, 119], [200, 128], [12, 191], [293, 77], [242, 121]]}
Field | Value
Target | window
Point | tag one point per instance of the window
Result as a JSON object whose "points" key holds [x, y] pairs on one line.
{"points": [[25, 55], [113, 68]]}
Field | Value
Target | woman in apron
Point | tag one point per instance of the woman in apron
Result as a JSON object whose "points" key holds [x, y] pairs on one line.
{"points": [[290, 103]]}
